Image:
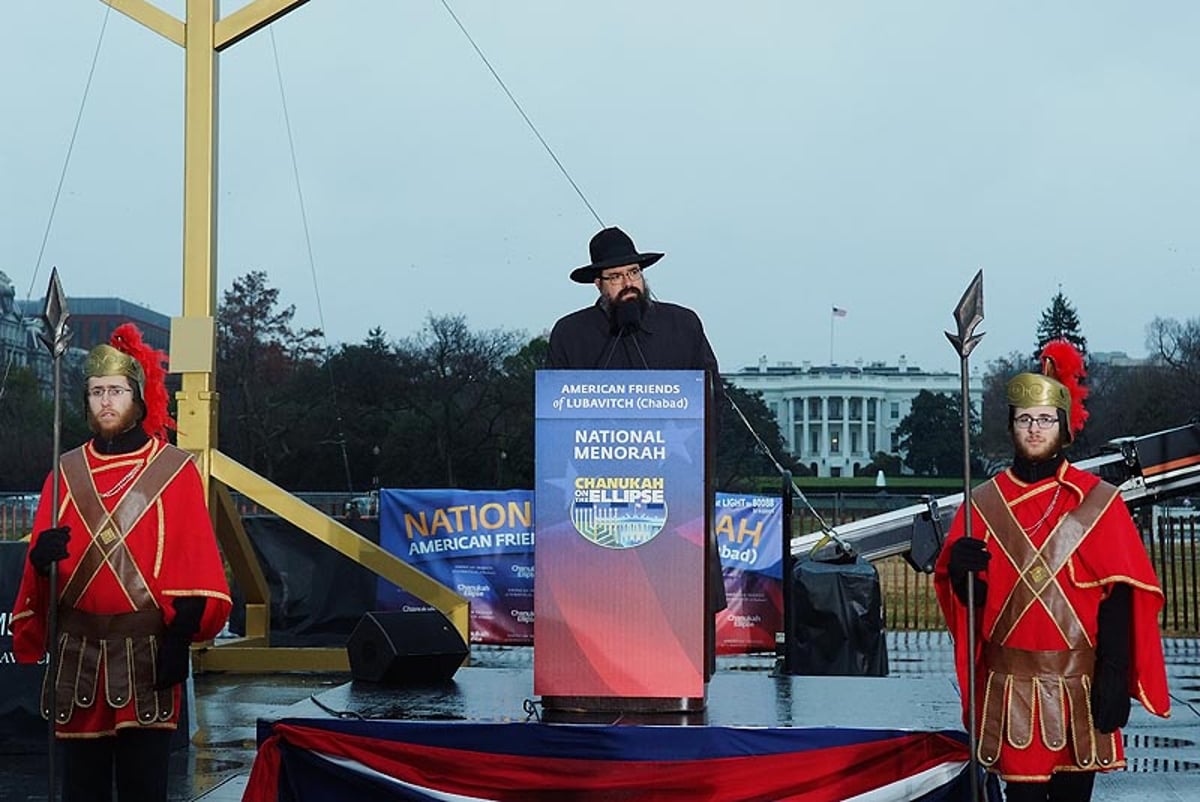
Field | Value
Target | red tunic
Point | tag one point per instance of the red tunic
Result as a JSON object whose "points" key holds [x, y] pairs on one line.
{"points": [[1109, 553], [172, 546]]}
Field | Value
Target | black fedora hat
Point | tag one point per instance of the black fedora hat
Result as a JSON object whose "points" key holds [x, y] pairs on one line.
{"points": [[612, 247]]}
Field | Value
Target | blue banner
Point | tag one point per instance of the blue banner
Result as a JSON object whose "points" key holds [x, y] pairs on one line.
{"points": [[750, 541], [479, 543]]}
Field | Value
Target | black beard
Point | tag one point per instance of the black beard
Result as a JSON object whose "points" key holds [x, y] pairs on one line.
{"points": [[625, 312]]}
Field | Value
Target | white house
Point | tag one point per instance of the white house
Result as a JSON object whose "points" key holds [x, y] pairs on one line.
{"points": [[834, 418]]}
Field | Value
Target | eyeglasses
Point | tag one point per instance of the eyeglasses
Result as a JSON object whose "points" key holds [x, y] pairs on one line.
{"points": [[1028, 421], [112, 392], [631, 274]]}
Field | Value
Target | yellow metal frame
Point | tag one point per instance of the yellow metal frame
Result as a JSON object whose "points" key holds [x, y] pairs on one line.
{"points": [[193, 347]]}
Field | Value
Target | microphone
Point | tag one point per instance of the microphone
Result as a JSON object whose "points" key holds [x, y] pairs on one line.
{"points": [[627, 319], [612, 348], [639, 350]]}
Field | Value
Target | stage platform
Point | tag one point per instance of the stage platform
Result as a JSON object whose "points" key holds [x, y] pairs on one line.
{"points": [[491, 704], [736, 698], [484, 735], [1164, 756]]}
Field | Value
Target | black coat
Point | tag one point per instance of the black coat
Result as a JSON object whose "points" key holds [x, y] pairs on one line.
{"points": [[670, 337]]}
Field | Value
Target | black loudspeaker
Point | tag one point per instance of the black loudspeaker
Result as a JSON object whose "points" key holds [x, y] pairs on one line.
{"points": [[412, 647]]}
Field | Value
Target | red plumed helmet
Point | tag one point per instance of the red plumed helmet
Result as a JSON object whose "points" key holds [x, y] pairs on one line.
{"points": [[1062, 362], [128, 340]]}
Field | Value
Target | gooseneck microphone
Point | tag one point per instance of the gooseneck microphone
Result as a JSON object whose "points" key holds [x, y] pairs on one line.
{"points": [[627, 320], [612, 348]]}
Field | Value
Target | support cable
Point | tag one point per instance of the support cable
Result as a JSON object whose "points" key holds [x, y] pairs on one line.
{"points": [[829, 532], [62, 178], [520, 110], [312, 265]]}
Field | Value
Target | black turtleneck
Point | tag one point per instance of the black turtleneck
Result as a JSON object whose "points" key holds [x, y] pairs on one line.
{"points": [[1031, 472], [126, 442]]}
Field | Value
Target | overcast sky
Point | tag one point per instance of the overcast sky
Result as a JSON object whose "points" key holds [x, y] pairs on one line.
{"points": [[787, 156]]}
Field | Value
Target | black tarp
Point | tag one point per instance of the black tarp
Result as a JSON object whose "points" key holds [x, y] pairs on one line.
{"points": [[317, 594], [836, 620], [22, 728]]}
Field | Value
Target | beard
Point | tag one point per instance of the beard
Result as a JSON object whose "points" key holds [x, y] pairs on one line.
{"points": [[108, 428], [618, 309], [1041, 451]]}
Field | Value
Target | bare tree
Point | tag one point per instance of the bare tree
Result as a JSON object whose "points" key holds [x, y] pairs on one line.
{"points": [[452, 379], [258, 355], [1177, 346]]}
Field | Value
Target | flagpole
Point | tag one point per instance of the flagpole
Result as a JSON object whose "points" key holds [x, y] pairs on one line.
{"points": [[834, 313]]}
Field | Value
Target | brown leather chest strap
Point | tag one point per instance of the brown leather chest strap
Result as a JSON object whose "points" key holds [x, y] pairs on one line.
{"points": [[1039, 567], [108, 531]]}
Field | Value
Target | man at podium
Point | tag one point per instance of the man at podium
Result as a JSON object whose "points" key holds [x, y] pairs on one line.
{"points": [[626, 328]]}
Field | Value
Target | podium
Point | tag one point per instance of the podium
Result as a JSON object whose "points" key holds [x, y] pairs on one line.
{"points": [[621, 511]]}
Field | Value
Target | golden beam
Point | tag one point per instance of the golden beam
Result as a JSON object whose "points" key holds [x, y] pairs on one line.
{"points": [[193, 348]]}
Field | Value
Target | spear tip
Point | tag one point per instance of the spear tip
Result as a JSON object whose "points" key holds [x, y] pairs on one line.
{"points": [[968, 314], [55, 315]]}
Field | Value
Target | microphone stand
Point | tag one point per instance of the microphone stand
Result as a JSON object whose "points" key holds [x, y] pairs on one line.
{"points": [[627, 317]]}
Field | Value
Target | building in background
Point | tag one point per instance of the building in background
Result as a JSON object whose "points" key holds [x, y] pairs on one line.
{"points": [[92, 322], [20, 338], [835, 418]]}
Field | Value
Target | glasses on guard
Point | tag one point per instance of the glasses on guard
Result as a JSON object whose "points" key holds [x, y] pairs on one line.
{"points": [[112, 392], [1029, 421]]}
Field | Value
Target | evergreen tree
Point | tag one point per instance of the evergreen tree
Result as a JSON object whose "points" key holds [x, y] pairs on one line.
{"points": [[1059, 321], [931, 435], [740, 459]]}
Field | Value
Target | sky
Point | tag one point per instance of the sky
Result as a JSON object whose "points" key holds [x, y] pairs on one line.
{"points": [[788, 157]]}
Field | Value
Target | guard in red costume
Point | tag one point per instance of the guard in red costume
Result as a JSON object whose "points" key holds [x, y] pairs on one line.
{"points": [[1067, 619], [140, 579]]}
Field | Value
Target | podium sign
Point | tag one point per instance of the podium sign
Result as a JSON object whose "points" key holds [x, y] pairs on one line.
{"points": [[620, 517]]}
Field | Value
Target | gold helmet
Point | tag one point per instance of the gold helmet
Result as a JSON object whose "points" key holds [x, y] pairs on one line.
{"points": [[1060, 385], [1038, 390], [104, 360]]}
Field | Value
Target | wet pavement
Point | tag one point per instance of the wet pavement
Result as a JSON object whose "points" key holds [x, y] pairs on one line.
{"points": [[1163, 755]]}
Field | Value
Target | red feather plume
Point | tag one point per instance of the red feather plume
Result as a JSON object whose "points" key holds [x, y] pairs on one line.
{"points": [[128, 339], [1062, 361]]}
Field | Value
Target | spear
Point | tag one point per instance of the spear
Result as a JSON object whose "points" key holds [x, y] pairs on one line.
{"points": [[969, 314], [55, 337]]}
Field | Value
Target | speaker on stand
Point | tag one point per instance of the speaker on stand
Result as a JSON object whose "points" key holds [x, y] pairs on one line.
{"points": [[407, 647]]}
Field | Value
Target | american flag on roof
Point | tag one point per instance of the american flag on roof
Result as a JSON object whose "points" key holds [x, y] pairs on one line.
{"points": [[839, 312]]}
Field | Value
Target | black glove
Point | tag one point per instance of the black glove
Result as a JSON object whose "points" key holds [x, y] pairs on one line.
{"points": [[1110, 683], [967, 556], [174, 652], [51, 547]]}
